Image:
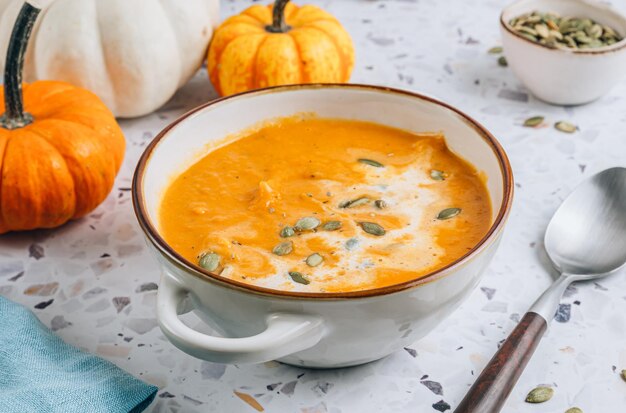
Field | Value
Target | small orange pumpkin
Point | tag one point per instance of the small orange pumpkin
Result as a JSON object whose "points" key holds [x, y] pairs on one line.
{"points": [[59, 158], [284, 44]]}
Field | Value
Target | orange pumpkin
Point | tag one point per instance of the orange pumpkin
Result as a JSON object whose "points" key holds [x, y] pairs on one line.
{"points": [[278, 45], [59, 156]]}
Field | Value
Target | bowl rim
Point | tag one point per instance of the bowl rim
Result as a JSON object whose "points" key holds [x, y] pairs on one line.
{"points": [[583, 52], [188, 267]]}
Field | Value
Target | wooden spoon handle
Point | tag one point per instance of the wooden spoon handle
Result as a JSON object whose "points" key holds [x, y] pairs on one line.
{"points": [[494, 384]]}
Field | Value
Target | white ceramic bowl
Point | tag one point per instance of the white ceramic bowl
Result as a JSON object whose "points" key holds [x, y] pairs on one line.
{"points": [[565, 77], [311, 329]]}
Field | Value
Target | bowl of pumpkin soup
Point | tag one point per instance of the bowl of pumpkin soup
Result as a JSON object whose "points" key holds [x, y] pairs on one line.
{"points": [[319, 225]]}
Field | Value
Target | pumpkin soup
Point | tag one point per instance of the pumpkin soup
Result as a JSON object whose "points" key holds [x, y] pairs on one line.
{"points": [[325, 205]]}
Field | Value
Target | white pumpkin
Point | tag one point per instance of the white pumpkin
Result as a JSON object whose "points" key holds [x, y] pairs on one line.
{"points": [[134, 54]]}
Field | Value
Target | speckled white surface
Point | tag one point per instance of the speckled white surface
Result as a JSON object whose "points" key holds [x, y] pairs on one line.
{"points": [[94, 282]]}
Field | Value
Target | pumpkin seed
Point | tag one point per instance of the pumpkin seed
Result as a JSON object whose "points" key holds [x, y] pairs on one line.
{"points": [[331, 226], [314, 260], [495, 50], [623, 374], [534, 121], [539, 395], [448, 213], [299, 277], [307, 224], [380, 204], [355, 202], [573, 410], [502, 61], [371, 162], [351, 244], [437, 175], [227, 271], [209, 261], [283, 248], [555, 31], [287, 232], [372, 228], [566, 127], [542, 30]]}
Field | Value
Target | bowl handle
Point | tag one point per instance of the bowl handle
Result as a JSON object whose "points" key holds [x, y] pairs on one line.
{"points": [[285, 334]]}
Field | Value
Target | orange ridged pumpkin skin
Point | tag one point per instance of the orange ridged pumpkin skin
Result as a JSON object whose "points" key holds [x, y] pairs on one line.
{"points": [[245, 55], [63, 164]]}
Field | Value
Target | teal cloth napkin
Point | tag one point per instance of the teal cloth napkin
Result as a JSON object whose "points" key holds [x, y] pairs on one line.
{"points": [[40, 373]]}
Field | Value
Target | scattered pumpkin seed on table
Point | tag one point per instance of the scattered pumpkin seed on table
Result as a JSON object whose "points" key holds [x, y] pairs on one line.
{"points": [[573, 410], [623, 374], [371, 162], [495, 50], [209, 261], [331, 226], [539, 394], [284, 248], [565, 127], [448, 213], [299, 277], [373, 228], [314, 260], [307, 223], [557, 32], [534, 121], [502, 61]]}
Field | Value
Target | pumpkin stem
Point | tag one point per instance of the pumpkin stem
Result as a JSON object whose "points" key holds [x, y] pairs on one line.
{"points": [[14, 116], [278, 13]]}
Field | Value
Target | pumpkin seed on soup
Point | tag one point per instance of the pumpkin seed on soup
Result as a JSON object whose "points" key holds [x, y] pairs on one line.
{"points": [[566, 127], [534, 121], [380, 204], [373, 228], [209, 261], [355, 202], [371, 162], [287, 232], [299, 277], [283, 248], [437, 175], [331, 226], [448, 213], [314, 260], [351, 244], [539, 395], [307, 224]]}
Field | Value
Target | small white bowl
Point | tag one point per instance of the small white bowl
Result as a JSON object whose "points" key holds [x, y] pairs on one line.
{"points": [[561, 76]]}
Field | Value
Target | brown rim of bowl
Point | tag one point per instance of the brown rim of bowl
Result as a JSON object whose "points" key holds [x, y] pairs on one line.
{"points": [[187, 266], [598, 50]]}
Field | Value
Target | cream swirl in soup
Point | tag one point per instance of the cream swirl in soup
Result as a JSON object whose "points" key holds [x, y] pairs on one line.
{"points": [[326, 205]]}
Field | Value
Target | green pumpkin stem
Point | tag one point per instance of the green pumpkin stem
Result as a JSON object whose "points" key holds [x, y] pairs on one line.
{"points": [[14, 116], [278, 16]]}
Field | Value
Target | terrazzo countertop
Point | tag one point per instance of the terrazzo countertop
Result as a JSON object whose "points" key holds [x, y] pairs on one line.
{"points": [[94, 282]]}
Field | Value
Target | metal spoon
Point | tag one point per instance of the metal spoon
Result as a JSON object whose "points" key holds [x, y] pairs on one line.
{"points": [[585, 240]]}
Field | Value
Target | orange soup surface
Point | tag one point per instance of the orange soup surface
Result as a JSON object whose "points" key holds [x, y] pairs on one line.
{"points": [[324, 205]]}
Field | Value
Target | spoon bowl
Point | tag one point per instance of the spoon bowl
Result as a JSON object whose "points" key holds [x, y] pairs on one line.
{"points": [[587, 235]]}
